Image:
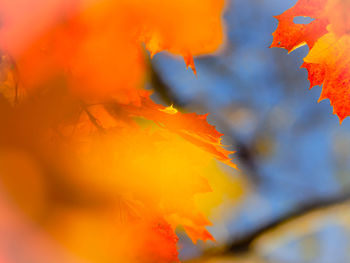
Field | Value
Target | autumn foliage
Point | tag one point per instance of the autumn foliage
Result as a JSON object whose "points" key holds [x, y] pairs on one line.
{"points": [[76, 38], [85, 153], [88, 161], [328, 38]]}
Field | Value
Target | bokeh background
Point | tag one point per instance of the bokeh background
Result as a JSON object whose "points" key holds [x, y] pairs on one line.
{"points": [[291, 150]]}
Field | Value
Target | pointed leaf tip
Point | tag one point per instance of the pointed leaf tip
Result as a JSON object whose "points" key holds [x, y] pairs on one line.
{"points": [[190, 63]]}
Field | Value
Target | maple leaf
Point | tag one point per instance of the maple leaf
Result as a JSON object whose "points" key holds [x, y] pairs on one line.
{"points": [[113, 177], [190, 126], [76, 39], [328, 38], [155, 159], [182, 27], [113, 172]]}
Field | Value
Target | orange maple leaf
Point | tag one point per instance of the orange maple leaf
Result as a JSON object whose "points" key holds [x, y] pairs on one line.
{"points": [[190, 126], [97, 45], [128, 183], [113, 178], [328, 38]]}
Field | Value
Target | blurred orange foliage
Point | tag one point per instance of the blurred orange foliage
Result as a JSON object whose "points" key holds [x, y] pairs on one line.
{"points": [[98, 44], [85, 153]]}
